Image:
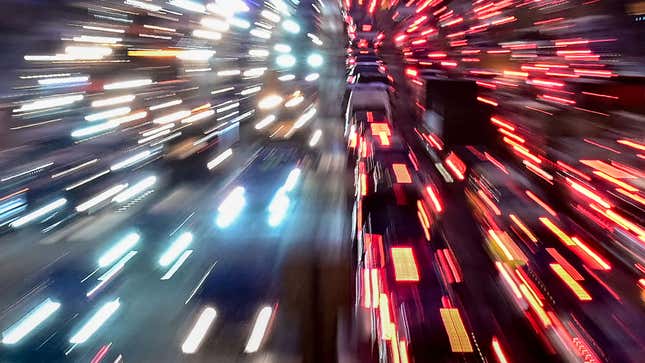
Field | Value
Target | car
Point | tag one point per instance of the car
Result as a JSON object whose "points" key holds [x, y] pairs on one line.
{"points": [[367, 99]]}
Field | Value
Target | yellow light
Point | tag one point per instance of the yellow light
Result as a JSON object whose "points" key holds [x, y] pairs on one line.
{"points": [[577, 289], [456, 330], [558, 232]]}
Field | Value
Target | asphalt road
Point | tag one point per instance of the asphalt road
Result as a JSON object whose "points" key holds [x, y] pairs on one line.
{"points": [[299, 268]]}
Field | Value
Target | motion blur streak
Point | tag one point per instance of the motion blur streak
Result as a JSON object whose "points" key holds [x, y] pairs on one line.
{"points": [[374, 181], [176, 248], [30, 322], [95, 322], [199, 331], [259, 330], [119, 249]]}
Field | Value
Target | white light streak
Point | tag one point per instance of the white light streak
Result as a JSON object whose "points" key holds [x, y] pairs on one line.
{"points": [[95, 322], [180, 261], [176, 249], [49, 103], [115, 112], [265, 122], [39, 213], [166, 104], [119, 249], [62, 80], [199, 330], [100, 198], [131, 160], [259, 330], [175, 116], [30, 322], [135, 190], [219, 159], [127, 84], [315, 138], [113, 101]]}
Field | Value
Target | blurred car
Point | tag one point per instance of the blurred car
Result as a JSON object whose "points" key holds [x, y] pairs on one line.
{"points": [[367, 99]]}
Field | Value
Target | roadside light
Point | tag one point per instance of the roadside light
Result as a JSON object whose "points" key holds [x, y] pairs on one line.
{"points": [[315, 60]]}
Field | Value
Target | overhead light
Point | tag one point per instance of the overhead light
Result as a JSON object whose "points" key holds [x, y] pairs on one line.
{"points": [[315, 60], [286, 60]]}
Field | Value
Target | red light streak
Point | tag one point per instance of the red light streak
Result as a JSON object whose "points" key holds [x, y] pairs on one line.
{"points": [[454, 265], [588, 193], [511, 135], [435, 200], [432, 139], [548, 21], [487, 101], [499, 353], [600, 95], [541, 203], [540, 82], [560, 100], [573, 170], [482, 83], [538, 171], [506, 20], [601, 146], [496, 163], [595, 73], [454, 169], [615, 181], [592, 111], [599, 261], [565, 264], [523, 227], [453, 22], [101, 353], [632, 144], [509, 280]]}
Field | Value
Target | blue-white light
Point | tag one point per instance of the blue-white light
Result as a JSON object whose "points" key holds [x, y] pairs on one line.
{"points": [[176, 249], [291, 26], [315, 60], [231, 207], [278, 208], [30, 322], [292, 179], [286, 60]]}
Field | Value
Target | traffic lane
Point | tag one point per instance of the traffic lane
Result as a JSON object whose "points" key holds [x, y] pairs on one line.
{"points": [[259, 267], [315, 279], [610, 318], [69, 283], [77, 265], [489, 310], [18, 262]]}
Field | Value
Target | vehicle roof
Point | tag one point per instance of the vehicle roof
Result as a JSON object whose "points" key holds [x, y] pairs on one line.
{"points": [[399, 222], [367, 97]]}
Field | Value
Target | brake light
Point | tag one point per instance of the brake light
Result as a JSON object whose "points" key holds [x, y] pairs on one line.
{"points": [[401, 173], [435, 200], [411, 72], [380, 128]]}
